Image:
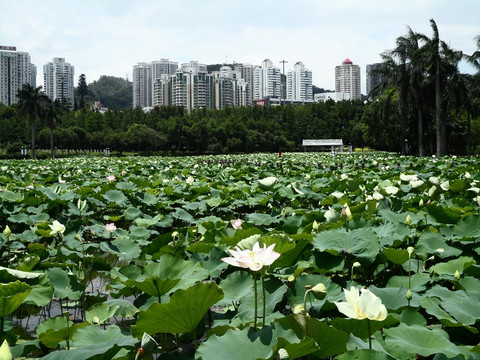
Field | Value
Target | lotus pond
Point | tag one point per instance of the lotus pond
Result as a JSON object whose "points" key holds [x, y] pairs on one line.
{"points": [[354, 256]]}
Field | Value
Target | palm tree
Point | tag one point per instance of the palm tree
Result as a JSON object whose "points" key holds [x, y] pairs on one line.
{"points": [[51, 119], [30, 101], [416, 76], [431, 51], [394, 70]]}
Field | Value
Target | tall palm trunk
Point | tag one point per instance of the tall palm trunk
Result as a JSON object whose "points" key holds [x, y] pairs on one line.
{"points": [[420, 131], [438, 115]]}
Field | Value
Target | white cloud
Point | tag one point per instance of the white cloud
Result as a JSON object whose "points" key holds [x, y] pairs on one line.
{"points": [[108, 37]]}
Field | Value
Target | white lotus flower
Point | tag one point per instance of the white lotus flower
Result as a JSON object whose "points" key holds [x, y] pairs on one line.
{"points": [[237, 224], [362, 306], [254, 259], [110, 227], [337, 194], [190, 180], [56, 228], [330, 215]]}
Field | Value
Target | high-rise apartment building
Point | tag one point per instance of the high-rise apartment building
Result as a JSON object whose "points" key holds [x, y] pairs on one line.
{"points": [[229, 88], [299, 83], [16, 69], [372, 79], [163, 67], [247, 72], [347, 81], [58, 81], [142, 85], [191, 87], [161, 72], [266, 81]]}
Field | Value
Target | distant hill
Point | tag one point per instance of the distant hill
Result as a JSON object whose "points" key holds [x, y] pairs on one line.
{"points": [[111, 91]]}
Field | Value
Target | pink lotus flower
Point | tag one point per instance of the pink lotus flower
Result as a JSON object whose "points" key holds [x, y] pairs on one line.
{"points": [[110, 227], [254, 259], [124, 172], [237, 224], [111, 178]]}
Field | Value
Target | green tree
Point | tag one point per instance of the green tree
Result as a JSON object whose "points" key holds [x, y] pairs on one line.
{"points": [[51, 119], [82, 89], [432, 53], [30, 103]]}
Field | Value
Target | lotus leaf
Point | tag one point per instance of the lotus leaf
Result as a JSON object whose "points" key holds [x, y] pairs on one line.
{"points": [[417, 339], [182, 313], [12, 296], [362, 243]]}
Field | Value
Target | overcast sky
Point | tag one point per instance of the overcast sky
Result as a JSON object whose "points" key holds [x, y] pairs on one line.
{"points": [[108, 37]]}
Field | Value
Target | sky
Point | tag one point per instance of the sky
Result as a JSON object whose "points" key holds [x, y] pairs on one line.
{"points": [[109, 37]]}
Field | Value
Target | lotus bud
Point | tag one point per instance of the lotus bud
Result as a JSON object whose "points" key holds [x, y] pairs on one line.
{"points": [[282, 354], [420, 203], [319, 291], [408, 220], [346, 213], [410, 250], [148, 343], [81, 204], [315, 225], [7, 232], [298, 309], [457, 275], [409, 295]]}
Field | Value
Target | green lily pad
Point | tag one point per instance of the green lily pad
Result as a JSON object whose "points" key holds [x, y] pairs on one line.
{"points": [[91, 342], [100, 313], [182, 313], [362, 243], [116, 196], [416, 339], [12, 296]]}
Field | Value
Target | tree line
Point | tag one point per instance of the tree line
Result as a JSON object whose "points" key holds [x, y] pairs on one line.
{"points": [[424, 105]]}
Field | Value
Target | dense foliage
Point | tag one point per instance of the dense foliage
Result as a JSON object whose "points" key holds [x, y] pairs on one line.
{"points": [[112, 92], [111, 258], [233, 130], [434, 99]]}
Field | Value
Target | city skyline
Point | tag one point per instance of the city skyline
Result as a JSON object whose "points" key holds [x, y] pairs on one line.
{"points": [[109, 37]]}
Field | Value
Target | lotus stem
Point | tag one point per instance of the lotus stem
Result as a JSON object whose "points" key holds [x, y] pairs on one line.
{"points": [[67, 339], [409, 277], [264, 300], [195, 339], [369, 335], [255, 295]]}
